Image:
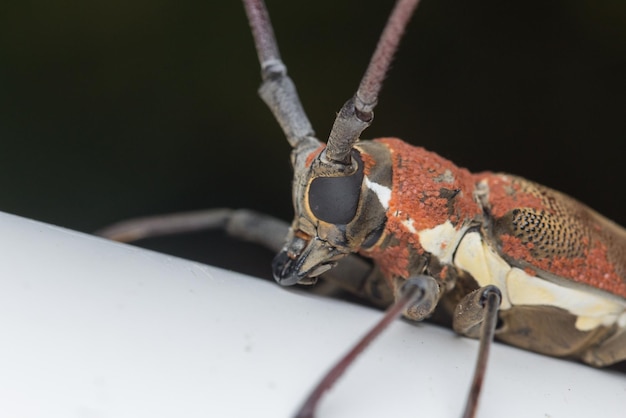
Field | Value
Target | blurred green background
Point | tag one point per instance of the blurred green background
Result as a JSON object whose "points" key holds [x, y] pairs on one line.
{"points": [[113, 109]]}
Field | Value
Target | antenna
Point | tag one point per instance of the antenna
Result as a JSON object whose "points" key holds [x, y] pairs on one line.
{"points": [[279, 92], [358, 112]]}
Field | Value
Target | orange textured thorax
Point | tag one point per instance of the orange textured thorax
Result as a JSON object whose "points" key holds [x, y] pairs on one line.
{"points": [[422, 183]]}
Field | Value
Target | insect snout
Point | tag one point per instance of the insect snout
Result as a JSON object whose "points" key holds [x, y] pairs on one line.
{"points": [[304, 258]]}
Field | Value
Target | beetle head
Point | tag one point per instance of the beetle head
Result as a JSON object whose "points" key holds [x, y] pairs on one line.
{"points": [[335, 215]]}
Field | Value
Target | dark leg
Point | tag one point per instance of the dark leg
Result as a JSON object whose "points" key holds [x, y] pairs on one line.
{"points": [[476, 316], [352, 274], [416, 291], [243, 224]]}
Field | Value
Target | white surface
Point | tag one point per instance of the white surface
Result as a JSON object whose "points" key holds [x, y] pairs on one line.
{"points": [[91, 328]]}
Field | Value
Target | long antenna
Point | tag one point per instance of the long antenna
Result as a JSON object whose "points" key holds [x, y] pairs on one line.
{"points": [[358, 112], [277, 90]]}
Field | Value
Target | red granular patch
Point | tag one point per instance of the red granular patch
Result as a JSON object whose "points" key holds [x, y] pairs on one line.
{"points": [[418, 177], [593, 269], [313, 154], [515, 248], [393, 261], [506, 194]]}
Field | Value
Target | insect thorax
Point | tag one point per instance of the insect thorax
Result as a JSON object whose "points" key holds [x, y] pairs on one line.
{"points": [[429, 204]]}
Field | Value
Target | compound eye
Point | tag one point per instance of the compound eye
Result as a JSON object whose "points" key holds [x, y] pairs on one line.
{"points": [[336, 199]]}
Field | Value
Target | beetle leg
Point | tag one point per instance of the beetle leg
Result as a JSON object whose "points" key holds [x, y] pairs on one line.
{"points": [[476, 317], [243, 224], [416, 291], [353, 274]]}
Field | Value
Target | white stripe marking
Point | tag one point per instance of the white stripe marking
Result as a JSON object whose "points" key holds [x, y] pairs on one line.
{"points": [[382, 192]]}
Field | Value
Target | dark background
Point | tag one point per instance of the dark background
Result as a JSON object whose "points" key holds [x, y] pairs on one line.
{"points": [[114, 109]]}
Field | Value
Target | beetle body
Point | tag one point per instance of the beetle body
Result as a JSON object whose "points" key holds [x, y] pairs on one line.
{"points": [[495, 255], [559, 265]]}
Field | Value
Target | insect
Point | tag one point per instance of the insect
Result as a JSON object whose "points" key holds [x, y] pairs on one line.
{"points": [[465, 249]]}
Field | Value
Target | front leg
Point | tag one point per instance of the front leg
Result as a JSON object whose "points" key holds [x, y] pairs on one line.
{"points": [[352, 274]]}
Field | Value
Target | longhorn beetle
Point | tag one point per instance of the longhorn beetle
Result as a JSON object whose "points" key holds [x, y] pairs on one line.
{"points": [[467, 249]]}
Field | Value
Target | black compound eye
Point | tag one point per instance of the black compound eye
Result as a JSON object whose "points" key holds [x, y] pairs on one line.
{"points": [[336, 199]]}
